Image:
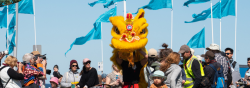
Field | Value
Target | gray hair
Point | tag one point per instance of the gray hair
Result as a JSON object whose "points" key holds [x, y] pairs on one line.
{"points": [[27, 57]]}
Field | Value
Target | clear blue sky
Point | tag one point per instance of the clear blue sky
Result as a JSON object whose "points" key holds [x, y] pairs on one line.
{"points": [[58, 23]]}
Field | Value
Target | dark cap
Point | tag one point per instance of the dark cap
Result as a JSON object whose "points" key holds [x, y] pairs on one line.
{"points": [[73, 61], [184, 48], [208, 53]]}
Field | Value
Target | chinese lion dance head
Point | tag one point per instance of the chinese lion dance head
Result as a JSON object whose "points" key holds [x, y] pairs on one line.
{"points": [[128, 36]]}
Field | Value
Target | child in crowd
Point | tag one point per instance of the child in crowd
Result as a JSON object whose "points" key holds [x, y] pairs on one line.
{"points": [[159, 78], [54, 82]]}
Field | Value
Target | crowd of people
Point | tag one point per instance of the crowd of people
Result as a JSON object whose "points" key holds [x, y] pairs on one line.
{"points": [[164, 69]]}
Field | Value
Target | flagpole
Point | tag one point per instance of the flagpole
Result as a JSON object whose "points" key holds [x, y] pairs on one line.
{"points": [[212, 22], [172, 14], [124, 7], [235, 27], [16, 28], [102, 46], [7, 28], [34, 22], [220, 24]]}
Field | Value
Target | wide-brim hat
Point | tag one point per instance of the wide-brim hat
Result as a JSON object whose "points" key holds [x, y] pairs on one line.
{"points": [[213, 47], [158, 73]]}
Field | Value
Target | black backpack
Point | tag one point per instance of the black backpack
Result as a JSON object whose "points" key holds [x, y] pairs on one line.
{"points": [[1, 85]]}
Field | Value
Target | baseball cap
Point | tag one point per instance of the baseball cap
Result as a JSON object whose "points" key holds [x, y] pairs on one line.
{"points": [[213, 47], [208, 53], [184, 48], [152, 53]]}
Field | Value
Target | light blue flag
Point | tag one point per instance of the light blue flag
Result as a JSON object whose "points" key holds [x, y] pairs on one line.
{"points": [[95, 33], [11, 42], [3, 18], [198, 40], [111, 2], [96, 2], [25, 7], [226, 7], [3, 15], [12, 25], [156, 5], [194, 2]]}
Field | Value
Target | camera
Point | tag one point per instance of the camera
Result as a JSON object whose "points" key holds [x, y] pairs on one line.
{"points": [[6, 52], [43, 56], [48, 71]]}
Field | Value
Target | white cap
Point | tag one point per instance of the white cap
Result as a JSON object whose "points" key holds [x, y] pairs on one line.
{"points": [[199, 57], [213, 47], [192, 51]]}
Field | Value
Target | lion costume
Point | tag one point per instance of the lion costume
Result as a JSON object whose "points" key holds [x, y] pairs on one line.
{"points": [[128, 36]]}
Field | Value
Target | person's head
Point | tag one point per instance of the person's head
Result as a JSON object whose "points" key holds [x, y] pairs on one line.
{"points": [[37, 56], [173, 58], [86, 63], [158, 77], [152, 56], [104, 77], [164, 52], [199, 58], [214, 48], [229, 52], [56, 68], [11, 61], [54, 82], [248, 62], [185, 51], [114, 67], [28, 58], [73, 65], [209, 55]]}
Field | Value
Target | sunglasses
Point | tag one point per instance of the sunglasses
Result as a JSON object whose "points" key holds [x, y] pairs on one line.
{"points": [[74, 65], [227, 53], [88, 62]]}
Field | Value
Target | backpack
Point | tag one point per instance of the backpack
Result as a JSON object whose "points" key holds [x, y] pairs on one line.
{"points": [[218, 81]]}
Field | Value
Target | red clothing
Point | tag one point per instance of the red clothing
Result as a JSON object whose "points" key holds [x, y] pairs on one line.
{"points": [[131, 86]]}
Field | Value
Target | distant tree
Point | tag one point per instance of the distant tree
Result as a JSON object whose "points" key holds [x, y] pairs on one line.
{"points": [[7, 2]]}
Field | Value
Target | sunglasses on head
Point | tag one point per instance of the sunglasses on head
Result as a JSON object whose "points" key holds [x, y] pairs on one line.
{"points": [[87, 62], [74, 65], [227, 53]]}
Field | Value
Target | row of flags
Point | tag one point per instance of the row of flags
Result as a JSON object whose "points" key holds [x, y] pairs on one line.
{"points": [[24, 7], [223, 9]]}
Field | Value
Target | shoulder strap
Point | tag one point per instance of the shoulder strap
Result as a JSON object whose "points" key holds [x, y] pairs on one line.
{"points": [[212, 66], [234, 63], [8, 79], [2, 67]]}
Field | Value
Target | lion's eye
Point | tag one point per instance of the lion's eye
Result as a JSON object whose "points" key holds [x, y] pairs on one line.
{"points": [[143, 31], [117, 31]]}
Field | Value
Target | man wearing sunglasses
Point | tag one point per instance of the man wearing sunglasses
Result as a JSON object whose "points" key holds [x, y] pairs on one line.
{"points": [[234, 64]]}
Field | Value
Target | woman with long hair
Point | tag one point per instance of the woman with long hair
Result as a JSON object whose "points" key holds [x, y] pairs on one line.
{"points": [[114, 78], [172, 70]]}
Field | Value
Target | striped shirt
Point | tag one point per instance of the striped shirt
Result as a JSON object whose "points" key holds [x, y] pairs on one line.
{"points": [[224, 62]]}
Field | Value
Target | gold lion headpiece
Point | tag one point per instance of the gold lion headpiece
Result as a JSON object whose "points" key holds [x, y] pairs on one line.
{"points": [[129, 34]]}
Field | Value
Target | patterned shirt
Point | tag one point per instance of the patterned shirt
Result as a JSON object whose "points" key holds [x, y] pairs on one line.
{"points": [[30, 74], [224, 62]]}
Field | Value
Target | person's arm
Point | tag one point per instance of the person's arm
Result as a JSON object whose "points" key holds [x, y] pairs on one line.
{"points": [[92, 79], [145, 59], [183, 74], [14, 75], [63, 82], [1, 56], [174, 77], [197, 73]]}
